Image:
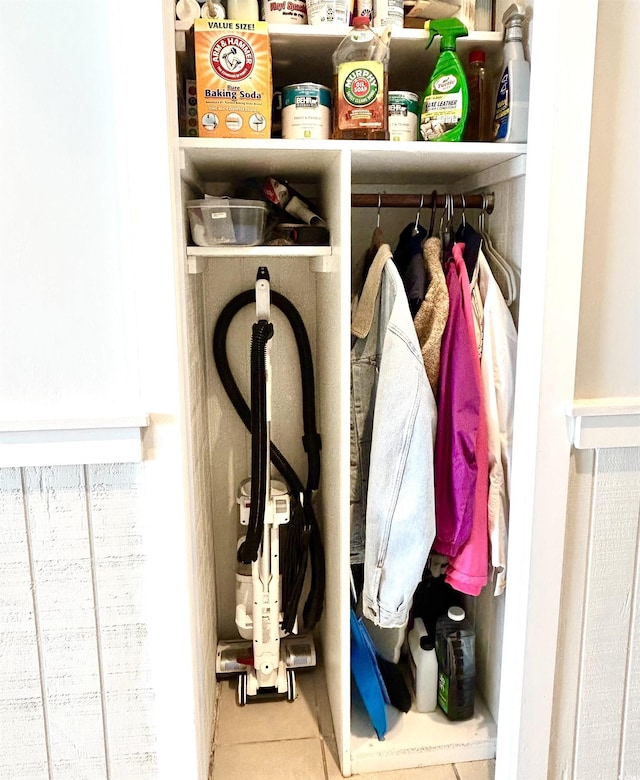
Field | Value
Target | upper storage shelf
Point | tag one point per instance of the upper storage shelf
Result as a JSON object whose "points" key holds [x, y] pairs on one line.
{"points": [[372, 162]]}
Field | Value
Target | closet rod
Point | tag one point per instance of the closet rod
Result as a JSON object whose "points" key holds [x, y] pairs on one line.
{"points": [[402, 200]]}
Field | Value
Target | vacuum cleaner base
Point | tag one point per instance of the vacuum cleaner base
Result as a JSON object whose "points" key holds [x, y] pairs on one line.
{"points": [[235, 657]]}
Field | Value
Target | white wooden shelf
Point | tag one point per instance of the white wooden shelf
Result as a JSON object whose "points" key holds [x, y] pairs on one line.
{"points": [[417, 739], [374, 161], [604, 422], [415, 162], [198, 257], [332, 34], [66, 442]]}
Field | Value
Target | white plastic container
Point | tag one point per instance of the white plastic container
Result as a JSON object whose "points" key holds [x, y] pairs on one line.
{"points": [[284, 11], [512, 101], [243, 10], [320, 12], [424, 665], [215, 221], [388, 13]]}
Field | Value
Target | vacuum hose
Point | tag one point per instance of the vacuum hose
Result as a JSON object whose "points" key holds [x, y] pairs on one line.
{"points": [[301, 536]]}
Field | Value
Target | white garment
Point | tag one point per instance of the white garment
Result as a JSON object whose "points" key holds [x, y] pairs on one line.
{"points": [[498, 369]]}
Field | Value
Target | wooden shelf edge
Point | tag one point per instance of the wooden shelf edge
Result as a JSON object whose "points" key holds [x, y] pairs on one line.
{"points": [[67, 442], [604, 423]]}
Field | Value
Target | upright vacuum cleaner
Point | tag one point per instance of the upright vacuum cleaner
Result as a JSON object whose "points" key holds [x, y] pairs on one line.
{"points": [[270, 573]]}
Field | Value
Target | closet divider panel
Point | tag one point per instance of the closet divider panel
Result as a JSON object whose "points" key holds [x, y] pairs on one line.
{"points": [[229, 444], [23, 731], [198, 337], [64, 585], [333, 382], [609, 689]]}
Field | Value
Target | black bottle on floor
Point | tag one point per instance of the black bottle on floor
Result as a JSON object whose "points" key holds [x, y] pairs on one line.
{"points": [[455, 649]]}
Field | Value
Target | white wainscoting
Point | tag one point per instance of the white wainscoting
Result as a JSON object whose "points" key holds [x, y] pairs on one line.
{"points": [[597, 701], [75, 693]]}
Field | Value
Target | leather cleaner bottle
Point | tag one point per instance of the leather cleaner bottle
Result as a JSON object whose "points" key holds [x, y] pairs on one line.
{"points": [[445, 103], [512, 101]]}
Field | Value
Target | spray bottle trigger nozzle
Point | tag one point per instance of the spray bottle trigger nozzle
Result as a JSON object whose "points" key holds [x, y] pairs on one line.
{"points": [[447, 29], [432, 34]]}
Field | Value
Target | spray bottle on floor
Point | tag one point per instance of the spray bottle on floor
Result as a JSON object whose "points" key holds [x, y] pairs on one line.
{"points": [[445, 103]]}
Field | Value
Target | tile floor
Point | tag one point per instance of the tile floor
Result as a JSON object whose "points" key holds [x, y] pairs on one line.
{"points": [[294, 741]]}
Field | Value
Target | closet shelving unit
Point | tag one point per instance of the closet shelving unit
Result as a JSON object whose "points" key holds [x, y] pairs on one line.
{"points": [[318, 281]]}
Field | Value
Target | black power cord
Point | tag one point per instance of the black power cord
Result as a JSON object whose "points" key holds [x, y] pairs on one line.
{"points": [[302, 540]]}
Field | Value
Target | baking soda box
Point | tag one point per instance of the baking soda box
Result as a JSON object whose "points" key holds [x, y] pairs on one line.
{"points": [[233, 78]]}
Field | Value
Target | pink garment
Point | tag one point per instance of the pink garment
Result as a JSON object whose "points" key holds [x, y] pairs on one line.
{"points": [[468, 570], [459, 414]]}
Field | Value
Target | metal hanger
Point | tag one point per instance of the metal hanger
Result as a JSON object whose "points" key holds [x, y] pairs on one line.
{"points": [[504, 273], [441, 227], [415, 230], [449, 211], [434, 202]]}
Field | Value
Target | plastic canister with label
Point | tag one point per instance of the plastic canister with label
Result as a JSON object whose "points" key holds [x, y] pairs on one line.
{"points": [[284, 11], [327, 11], [388, 13], [360, 67], [455, 649]]}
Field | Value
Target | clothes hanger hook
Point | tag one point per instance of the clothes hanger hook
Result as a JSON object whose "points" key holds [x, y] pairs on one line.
{"points": [[483, 212], [415, 227], [378, 216], [464, 206], [434, 203]]}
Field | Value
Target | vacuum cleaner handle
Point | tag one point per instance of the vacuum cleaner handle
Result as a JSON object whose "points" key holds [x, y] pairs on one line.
{"points": [[248, 550]]}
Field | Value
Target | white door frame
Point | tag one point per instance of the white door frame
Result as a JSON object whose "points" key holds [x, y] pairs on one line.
{"points": [[555, 207]]}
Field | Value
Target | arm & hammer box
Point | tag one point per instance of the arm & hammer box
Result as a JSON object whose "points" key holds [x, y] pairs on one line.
{"points": [[233, 78]]}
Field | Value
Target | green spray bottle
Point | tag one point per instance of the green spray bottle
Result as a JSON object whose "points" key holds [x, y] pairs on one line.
{"points": [[445, 103]]}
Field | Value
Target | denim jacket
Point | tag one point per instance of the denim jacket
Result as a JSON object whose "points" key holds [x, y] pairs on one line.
{"points": [[393, 423]]}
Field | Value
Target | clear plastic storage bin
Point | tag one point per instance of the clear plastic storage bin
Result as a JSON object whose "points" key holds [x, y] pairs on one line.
{"points": [[217, 221]]}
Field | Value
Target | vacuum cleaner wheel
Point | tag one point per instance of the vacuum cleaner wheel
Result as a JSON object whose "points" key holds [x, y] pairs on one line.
{"points": [[291, 685], [242, 689]]}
